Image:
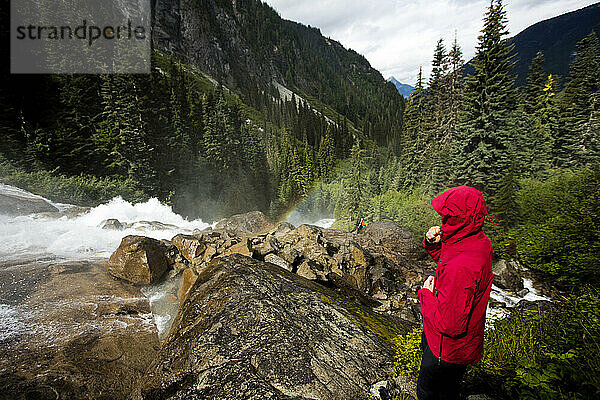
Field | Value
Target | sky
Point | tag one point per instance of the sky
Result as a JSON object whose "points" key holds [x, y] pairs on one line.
{"points": [[399, 36]]}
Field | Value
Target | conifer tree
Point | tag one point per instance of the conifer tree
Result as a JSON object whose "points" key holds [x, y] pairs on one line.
{"points": [[580, 144], [506, 208], [483, 145], [438, 91], [544, 132], [455, 83], [107, 140], [354, 185], [218, 136], [535, 135], [534, 89], [326, 155], [413, 134]]}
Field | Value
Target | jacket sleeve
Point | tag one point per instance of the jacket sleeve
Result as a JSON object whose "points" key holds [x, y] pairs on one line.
{"points": [[449, 311], [434, 249]]}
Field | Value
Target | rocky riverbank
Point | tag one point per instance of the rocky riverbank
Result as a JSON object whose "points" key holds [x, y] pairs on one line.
{"points": [[71, 331], [259, 310]]}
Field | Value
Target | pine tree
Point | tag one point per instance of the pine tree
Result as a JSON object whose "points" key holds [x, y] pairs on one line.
{"points": [[218, 135], [326, 155], [505, 203], [546, 129], [413, 135], [535, 136], [107, 138], [354, 185], [536, 82], [590, 133], [576, 105], [456, 86], [483, 146], [438, 90]]}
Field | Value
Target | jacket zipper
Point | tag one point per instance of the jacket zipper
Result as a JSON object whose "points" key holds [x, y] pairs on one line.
{"points": [[440, 357], [441, 335]]}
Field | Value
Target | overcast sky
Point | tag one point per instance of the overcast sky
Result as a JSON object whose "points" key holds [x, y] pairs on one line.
{"points": [[398, 36]]}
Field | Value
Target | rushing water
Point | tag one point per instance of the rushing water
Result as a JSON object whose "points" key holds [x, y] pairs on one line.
{"points": [[81, 237], [61, 237]]}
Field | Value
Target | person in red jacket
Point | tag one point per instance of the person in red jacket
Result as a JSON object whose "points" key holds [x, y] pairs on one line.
{"points": [[454, 302]]}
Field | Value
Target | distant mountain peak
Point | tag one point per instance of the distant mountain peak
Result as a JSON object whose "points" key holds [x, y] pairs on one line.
{"points": [[404, 89]]}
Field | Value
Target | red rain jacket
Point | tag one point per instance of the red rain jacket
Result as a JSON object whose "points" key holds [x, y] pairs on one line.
{"points": [[454, 317]]}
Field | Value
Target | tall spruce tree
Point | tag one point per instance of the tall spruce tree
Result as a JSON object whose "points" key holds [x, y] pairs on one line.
{"points": [[505, 199], [546, 126], [437, 92], [482, 150], [456, 86], [536, 82], [536, 121], [355, 185], [413, 135], [326, 155], [579, 143]]}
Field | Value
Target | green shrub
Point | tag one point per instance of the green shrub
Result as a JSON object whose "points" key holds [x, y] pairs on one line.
{"points": [[82, 190], [412, 210], [560, 235], [407, 359], [545, 355]]}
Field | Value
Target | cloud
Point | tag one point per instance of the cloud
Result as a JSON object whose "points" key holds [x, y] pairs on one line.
{"points": [[399, 36]]}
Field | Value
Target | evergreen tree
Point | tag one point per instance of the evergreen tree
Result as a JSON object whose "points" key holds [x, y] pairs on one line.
{"points": [[506, 208], [354, 185], [413, 135], [483, 145], [455, 83], [326, 155], [438, 90], [535, 124], [580, 144], [545, 129], [534, 89]]}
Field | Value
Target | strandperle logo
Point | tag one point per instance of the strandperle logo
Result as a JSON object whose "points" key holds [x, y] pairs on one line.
{"points": [[80, 36], [90, 33]]}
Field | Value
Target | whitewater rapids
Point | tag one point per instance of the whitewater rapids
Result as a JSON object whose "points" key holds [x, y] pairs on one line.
{"points": [[81, 237]]}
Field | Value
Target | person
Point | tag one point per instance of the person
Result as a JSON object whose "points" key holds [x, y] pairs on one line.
{"points": [[454, 301], [360, 224]]}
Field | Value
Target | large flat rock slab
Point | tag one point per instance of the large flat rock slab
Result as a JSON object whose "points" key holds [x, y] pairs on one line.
{"points": [[71, 331], [252, 330]]}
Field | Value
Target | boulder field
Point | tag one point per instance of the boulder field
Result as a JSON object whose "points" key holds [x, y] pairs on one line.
{"points": [[272, 311], [382, 267], [265, 311]]}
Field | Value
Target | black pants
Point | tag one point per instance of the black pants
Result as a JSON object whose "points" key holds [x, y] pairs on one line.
{"points": [[438, 380]]}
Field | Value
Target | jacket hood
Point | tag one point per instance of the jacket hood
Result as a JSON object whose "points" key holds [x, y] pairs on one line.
{"points": [[463, 212]]}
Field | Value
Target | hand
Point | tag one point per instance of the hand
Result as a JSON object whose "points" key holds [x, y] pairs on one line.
{"points": [[434, 234], [429, 283]]}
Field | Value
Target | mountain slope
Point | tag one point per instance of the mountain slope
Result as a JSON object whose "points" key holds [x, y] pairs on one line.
{"points": [[246, 45], [404, 89], [556, 38]]}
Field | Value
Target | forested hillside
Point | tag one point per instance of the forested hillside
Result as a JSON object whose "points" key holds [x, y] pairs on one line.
{"points": [[482, 130], [246, 45], [230, 119], [556, 38]]}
